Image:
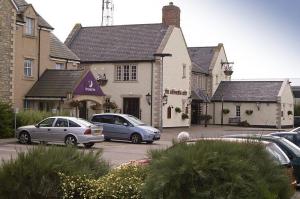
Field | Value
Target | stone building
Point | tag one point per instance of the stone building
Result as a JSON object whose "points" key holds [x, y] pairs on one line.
{"points": [[27, 49]]}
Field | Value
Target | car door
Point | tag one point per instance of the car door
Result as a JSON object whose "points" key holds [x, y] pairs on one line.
{"points": [[121, 128], [59, 130], [41, 132]]}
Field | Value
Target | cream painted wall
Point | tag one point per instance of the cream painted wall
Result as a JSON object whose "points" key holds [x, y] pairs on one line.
{"points": [[287, 104], [217, 73], [116, 90], [173, 78], [266, 115]]}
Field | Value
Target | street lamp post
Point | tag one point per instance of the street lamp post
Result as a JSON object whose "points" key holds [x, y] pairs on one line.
{"points": [[161, 55]]}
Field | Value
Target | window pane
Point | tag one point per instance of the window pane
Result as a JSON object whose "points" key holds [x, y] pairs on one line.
{"points": [[119, 73], [126, 72], [133, 72], [28, 67], [238, 111], [59, 66], [29, 26]]}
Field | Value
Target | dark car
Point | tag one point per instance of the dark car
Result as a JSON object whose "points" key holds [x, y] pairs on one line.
{"points": [[291, 150], [291, 136]]}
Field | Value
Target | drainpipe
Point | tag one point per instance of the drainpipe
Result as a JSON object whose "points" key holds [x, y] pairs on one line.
{"points": [[67, 61], [151, 93], [39, 54]]}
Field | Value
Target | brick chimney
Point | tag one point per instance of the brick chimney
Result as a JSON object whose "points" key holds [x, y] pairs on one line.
{"points": [[171, 15]]}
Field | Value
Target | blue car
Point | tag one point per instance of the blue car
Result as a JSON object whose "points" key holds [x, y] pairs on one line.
{"points": [[125, 127]]}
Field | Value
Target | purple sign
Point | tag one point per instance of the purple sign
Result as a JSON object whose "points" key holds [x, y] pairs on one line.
{"points": [[88, 86]]}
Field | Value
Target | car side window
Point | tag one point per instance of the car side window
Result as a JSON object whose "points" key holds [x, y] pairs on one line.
{"points": [[298, 139], [119, 120], [107, 119], [61, 123], [73, 124], [47, 122], [288, 137]]}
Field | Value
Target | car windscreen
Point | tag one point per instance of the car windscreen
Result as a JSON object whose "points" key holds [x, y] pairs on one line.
{"points": [[277, 154], [294, 148], [135, 121]]}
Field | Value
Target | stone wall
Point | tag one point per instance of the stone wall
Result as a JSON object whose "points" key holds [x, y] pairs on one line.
{"points": [[7, 38]]}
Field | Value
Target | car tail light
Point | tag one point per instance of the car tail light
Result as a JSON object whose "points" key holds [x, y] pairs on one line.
{"points": [[88, 132]]}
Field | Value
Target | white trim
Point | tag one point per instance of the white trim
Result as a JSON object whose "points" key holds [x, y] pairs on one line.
{"points": [[41, 98], [20, 23], [46, 29], [13, 2]]}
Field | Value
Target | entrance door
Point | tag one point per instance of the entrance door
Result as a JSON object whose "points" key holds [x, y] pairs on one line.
{"points": [[196, 112], [82, 110], [131, 106]]}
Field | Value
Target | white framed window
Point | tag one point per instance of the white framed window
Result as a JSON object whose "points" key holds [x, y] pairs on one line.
{"points": [[238, 111], [133, 72], [183, 71], [107, 108], [28, 67], [29, 26], [59, 66], [126, 73]]}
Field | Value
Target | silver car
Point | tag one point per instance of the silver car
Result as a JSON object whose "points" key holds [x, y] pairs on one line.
{"points": [[69, 130]]}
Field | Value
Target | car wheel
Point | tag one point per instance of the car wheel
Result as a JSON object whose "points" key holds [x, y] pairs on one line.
{"points": [[24, 138], [149, 142], [107, 139], [71, 140], [88, 145], [136, 138]]}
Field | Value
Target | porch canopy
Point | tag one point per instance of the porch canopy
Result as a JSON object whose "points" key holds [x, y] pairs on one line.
{"points": [[64, 84]]}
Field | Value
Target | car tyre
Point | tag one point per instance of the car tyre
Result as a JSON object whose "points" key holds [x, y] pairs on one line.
{"points": [[24, 138], [71, 140], [136, 138], [107, 139], [88, 145]]}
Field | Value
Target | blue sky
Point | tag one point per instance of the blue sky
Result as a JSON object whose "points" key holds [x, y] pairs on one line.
{"points": [[260, 36]]}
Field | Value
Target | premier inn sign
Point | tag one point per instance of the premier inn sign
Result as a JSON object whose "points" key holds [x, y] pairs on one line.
{"points": [[88, 86]]}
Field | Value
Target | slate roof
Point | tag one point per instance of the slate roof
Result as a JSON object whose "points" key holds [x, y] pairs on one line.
{"points": [[118, 43], [22, 6], [55, 83], [60, 50], [248, 91], [296, 91], [198, 94], [201, 58]]}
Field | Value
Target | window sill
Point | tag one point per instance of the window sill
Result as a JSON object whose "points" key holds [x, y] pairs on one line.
{"points": [[30, 36], [122, 81], [28, 78]]}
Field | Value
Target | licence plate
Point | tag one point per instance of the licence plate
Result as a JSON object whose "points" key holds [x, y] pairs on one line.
{"points": [[97, 132]]}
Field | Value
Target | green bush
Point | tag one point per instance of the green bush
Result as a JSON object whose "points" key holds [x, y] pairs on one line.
{"points": [[215, 169], [205, 118], [226, 111], [6, 120], [122, 183], [34, 174], [33, 117]]}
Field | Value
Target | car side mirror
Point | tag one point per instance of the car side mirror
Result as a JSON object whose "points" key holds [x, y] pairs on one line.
{"points": [[37, 126]]}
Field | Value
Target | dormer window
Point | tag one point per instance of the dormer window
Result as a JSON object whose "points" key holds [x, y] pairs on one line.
{"points": [[29, 26]]}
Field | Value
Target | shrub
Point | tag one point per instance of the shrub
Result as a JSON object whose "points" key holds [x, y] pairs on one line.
{"points": [[34, 174], [215, 169], [226, 111], [6, 120], [124, 182], [177, 110], [184, 116], [33, 117], [249, 112]]}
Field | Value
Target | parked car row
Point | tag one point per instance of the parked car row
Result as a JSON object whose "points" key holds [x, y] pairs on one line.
{"points": [[73, 131]]}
